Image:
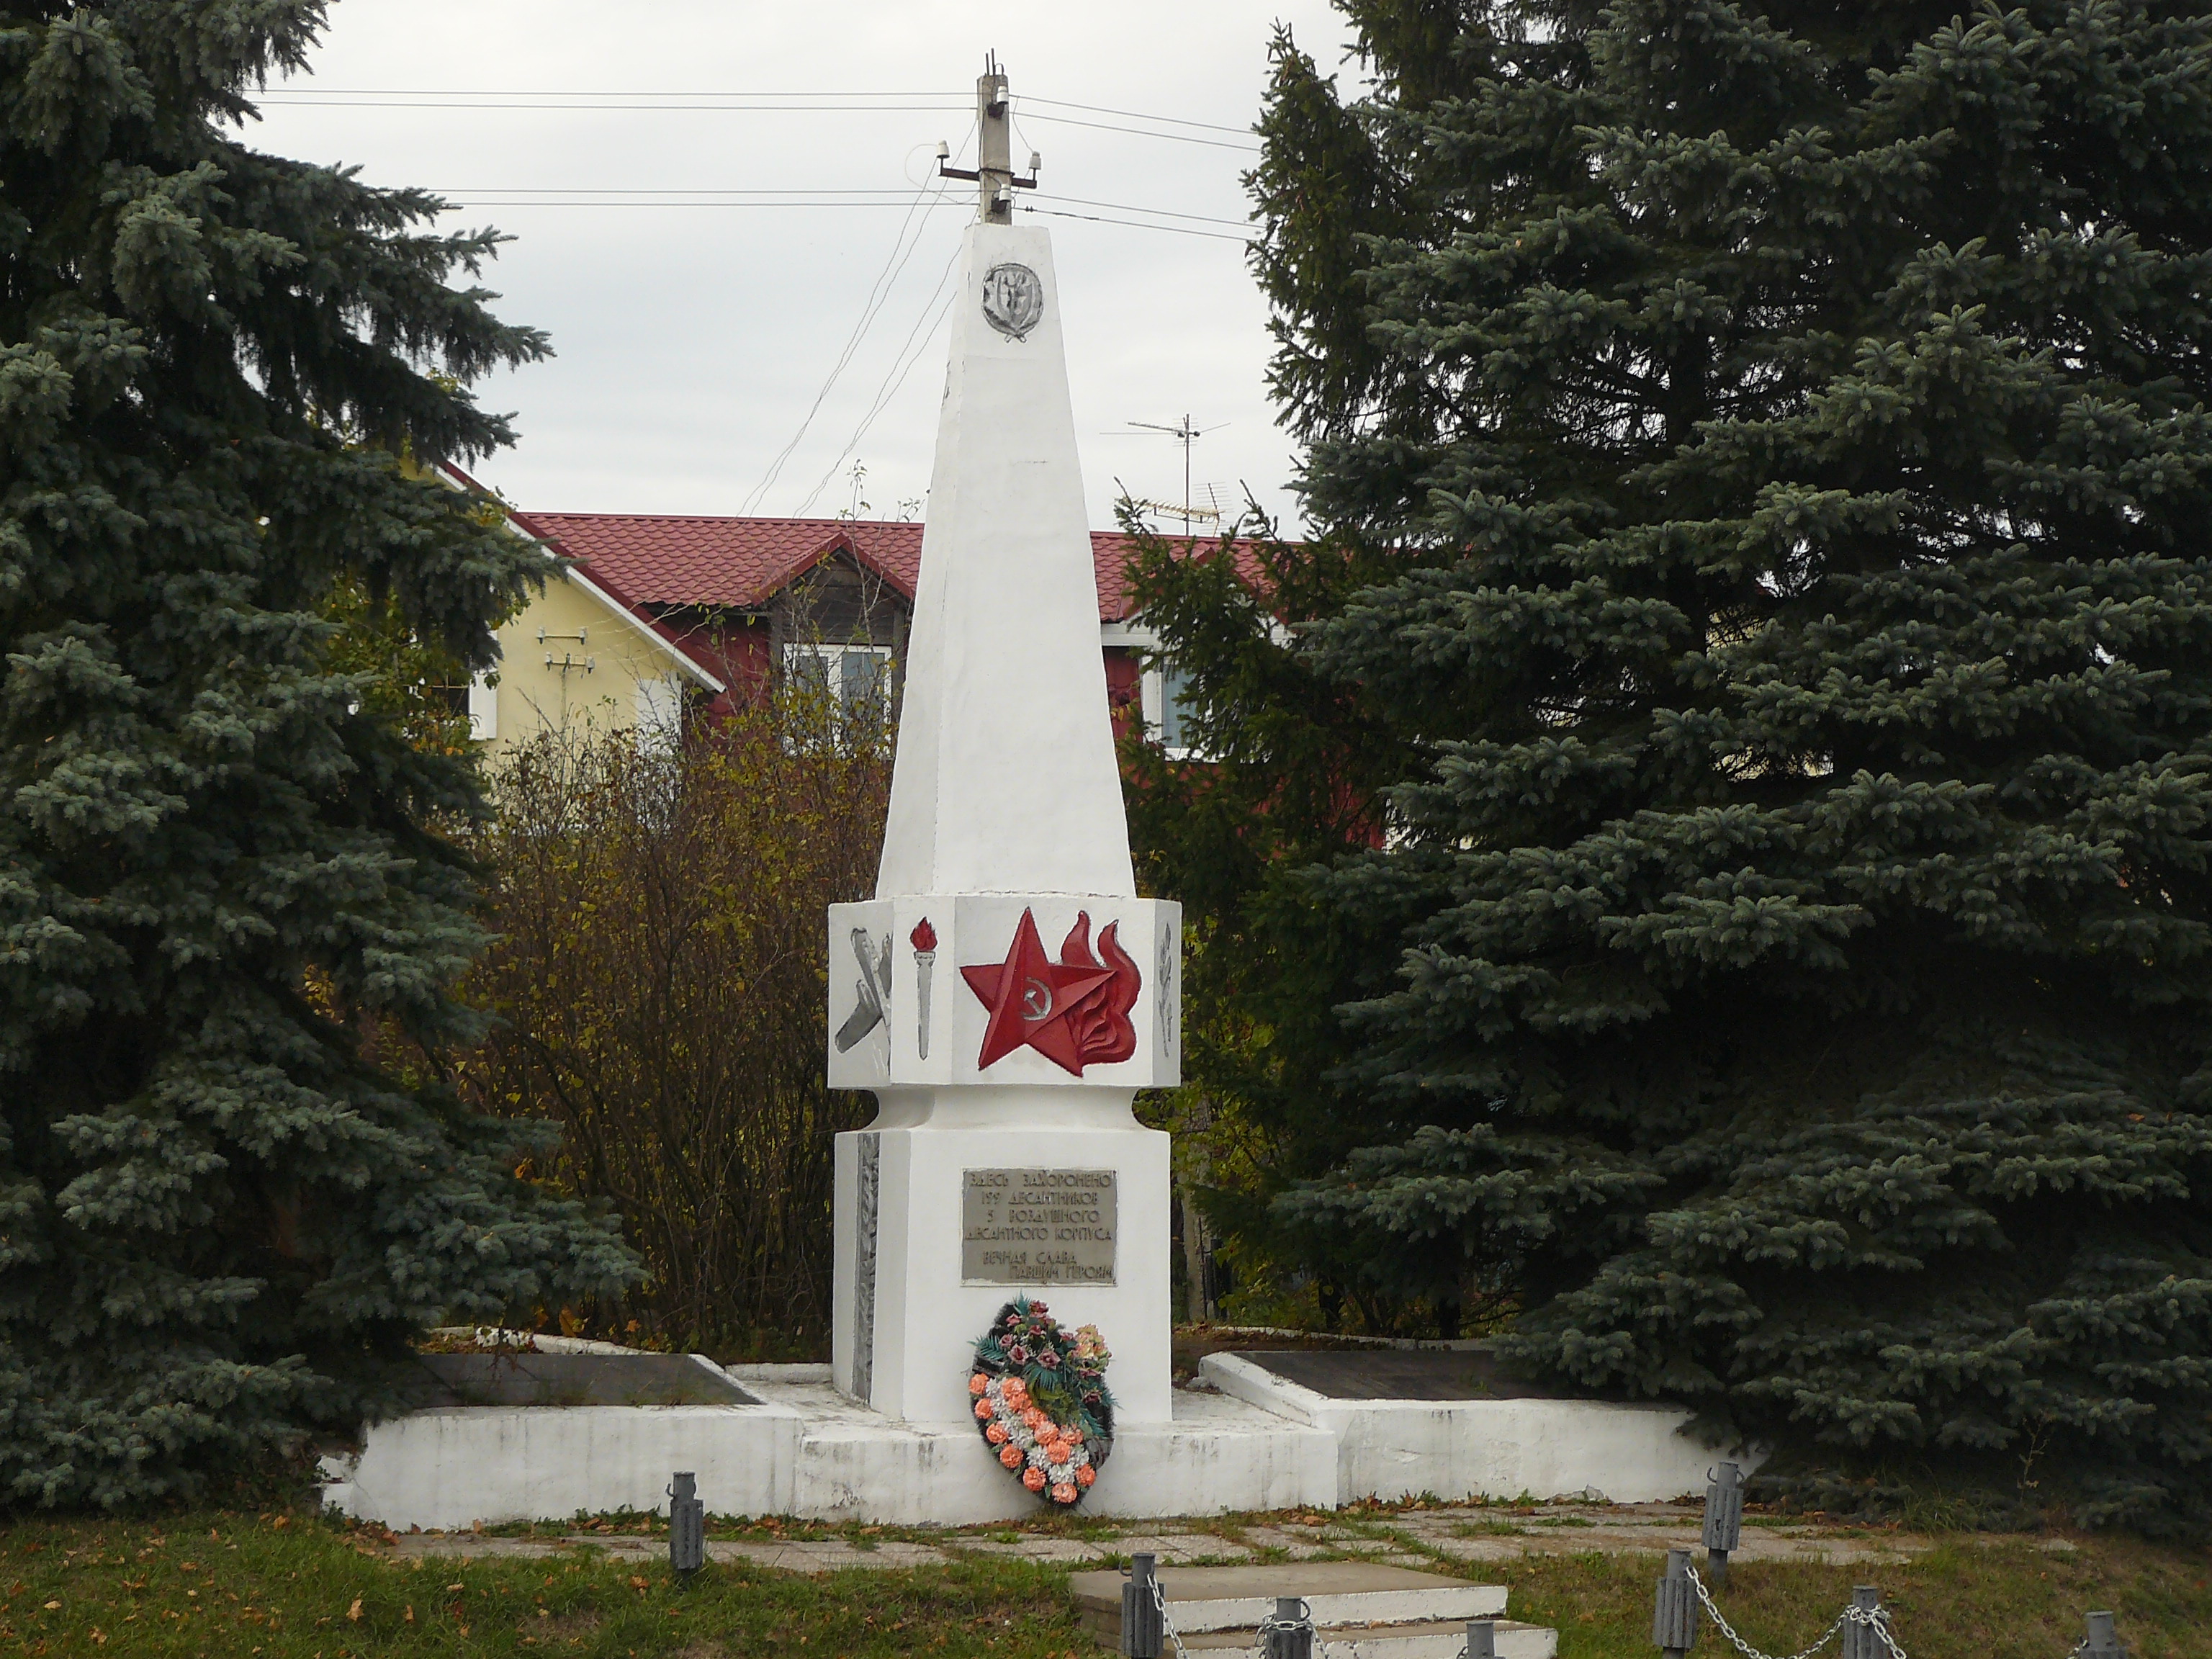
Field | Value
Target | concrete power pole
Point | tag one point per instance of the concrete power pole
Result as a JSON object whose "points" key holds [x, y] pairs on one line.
{"points": [[996, 181]]}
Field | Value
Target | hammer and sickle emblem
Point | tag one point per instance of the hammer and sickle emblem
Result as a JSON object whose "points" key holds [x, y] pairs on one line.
{"points": [[1036, 1000]]}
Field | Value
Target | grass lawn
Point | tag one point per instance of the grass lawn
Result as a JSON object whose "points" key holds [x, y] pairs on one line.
{"points": [[221, 1584]]}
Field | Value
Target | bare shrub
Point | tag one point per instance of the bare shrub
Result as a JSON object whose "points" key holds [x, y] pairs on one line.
{"points": [[659, 976]]}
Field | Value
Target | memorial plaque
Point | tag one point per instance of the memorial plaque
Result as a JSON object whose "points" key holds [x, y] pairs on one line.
{"points": [[1036, 1227]]}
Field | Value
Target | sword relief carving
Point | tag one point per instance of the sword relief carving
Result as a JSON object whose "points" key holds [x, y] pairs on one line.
{"points": [[874, 988]]}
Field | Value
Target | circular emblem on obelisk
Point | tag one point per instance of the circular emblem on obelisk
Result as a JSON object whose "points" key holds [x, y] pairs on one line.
{"points": [[1013, 300]]}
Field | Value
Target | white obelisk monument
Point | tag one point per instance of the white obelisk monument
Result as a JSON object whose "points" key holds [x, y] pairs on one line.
{"points": [[1006, 993]]}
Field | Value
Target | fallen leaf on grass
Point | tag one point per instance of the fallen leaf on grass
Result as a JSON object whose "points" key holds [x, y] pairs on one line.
{"points": [[354, 1612]]}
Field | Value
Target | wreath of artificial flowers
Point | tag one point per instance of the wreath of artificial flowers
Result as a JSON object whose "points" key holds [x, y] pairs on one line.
{"points": [[1041, 1402]]}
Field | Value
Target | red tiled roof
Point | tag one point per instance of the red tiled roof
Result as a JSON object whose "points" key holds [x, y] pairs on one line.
{"points": [[670, 559]]}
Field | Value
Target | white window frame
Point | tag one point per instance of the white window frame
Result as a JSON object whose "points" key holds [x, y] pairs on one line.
{"points": [[659, 714]]}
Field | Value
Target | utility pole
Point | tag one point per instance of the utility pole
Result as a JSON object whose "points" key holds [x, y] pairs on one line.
{"points": [[996, 181]]}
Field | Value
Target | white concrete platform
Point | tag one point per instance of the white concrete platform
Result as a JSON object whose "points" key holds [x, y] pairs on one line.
{"points": [[802, 1448], [1458, 1449]]}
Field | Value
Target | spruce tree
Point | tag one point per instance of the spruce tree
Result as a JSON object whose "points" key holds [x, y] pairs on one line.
{"points": [[220, 863], [1782, 433]]}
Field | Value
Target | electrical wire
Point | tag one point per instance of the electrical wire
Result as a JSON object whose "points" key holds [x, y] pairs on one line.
{"points": [[879, 291], [1179, 137], [337, 98], [481, 196], [1134, 224], [1049, 213], [909, 353], [328, 93]]}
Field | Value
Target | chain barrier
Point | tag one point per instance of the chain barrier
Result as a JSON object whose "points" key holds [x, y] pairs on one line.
{"points": [[1167, 1623], [1876, 1619], [1267, 1626], [1275, 1624]]}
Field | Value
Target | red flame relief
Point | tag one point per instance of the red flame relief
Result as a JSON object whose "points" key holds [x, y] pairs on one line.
{"points": [[924, 937], [1100, 1019], [1074, 1011]]}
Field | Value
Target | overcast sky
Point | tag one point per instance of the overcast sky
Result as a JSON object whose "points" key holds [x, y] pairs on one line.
{"points": [[693, 340]]}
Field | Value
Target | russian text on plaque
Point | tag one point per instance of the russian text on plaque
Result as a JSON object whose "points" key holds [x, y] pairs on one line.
{"points": [[1036, 1227]]}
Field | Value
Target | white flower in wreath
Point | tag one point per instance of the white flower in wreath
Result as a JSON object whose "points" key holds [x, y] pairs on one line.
{"points": [[1082, 1458], [1024, 1438], [1061, 1474], [1039, 1457]]}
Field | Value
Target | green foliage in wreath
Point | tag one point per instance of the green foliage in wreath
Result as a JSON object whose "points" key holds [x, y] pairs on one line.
{"points": [[1064, 1370]]}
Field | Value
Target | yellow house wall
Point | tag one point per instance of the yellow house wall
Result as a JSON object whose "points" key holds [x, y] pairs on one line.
{"points": [[533, 697]]}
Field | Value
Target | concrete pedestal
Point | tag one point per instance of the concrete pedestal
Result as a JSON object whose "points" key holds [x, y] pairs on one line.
{"points": [[907, 1317]]}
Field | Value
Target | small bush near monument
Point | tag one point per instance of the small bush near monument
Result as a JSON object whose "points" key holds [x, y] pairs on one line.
{"points": [[1717, 856], [657, 976]]}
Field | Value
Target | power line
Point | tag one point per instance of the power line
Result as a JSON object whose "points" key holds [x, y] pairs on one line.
{"points": [[878, 292], [1049, 213], [1179, 137], [480, 193], [909, 354], [845, 100], [526, 101], [1134, 224]]}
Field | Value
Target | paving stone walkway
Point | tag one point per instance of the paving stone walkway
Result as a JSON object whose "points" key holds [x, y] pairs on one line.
{"points": [[1428, 1537]]}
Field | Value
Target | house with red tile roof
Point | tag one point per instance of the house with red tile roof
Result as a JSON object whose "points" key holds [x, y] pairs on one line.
{"points": [[660, 615]]}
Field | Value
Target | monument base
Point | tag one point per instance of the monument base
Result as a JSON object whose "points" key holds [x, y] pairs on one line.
{"points": [[796, 1446], [954, 1202]]}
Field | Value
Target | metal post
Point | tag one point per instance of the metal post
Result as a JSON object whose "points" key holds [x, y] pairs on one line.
{"points": [[1481, 1638], [1144, 1633], [687, 1527], [1674, 1610], [2103, 1642], [1723, 1522], [1861, 1640], [1290, 1633]]}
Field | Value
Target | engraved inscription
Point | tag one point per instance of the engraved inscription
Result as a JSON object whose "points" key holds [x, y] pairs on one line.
{"points": [[1036, 1227]]}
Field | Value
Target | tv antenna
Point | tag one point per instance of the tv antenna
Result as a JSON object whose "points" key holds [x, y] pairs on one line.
{"points": [[1187, 434]]}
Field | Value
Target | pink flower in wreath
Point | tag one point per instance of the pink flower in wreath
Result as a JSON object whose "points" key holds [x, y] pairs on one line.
{"points": [[1085, 1475], [982, 1409], [1010, 1456], [978, 1383], [996, 1434], [1033, 1479], [1063, 1493]]}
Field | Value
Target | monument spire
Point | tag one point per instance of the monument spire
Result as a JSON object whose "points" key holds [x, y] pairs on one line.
{"points": [[1006, 778], [1006, 994]]}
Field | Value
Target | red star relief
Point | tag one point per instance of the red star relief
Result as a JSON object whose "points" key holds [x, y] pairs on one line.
{"points": [[1030, 997]]}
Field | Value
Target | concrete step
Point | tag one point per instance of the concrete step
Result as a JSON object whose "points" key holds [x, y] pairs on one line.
{"points": [[1390, 1613], [1437, 1640]]}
